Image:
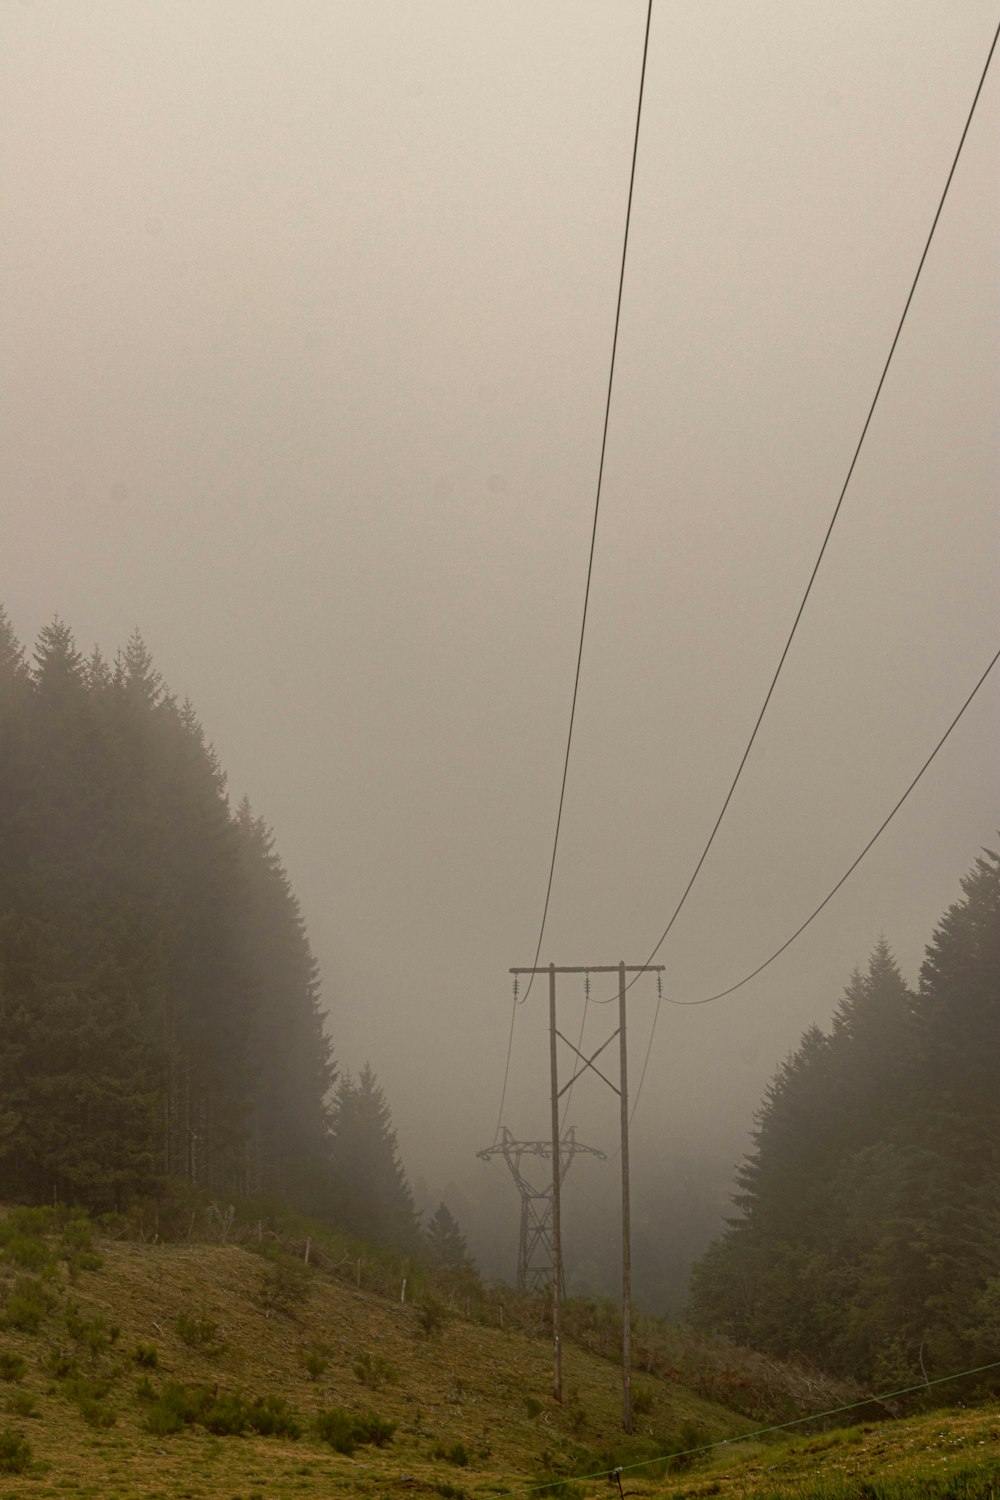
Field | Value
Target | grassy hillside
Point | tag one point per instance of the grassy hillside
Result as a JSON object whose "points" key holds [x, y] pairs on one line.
{"points": [[183, 1370]]}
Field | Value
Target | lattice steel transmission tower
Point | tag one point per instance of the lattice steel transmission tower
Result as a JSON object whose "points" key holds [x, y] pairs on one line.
{"points": [[535, 1247]]}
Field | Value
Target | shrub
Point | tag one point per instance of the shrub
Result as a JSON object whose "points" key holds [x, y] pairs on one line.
{"points": [[375, 1372], [432, 1316], [145, 1390], [284, 1283], [344, 1431], [92, 1334], [458, 1454], [225, 1414], [97, 1413], [29, 1253], [532, 1406], [374, 1429], [15, 1452], [336, 1427], [576, 1412], [12, 1366], [28, 1305], [22, 1404], [642, 1400], [271, 1416], [680, 1444], [196, 1330], [62, 1366], [89, 1393], [146, 1356], [27, 1223], [77, 1248], [174, 1408], [315, 1363]]}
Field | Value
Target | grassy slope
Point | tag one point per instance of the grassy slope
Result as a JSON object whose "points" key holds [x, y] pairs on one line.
{"points": [[467, 1385]]}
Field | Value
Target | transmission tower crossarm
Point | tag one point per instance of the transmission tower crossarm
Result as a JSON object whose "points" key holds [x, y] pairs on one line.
{"points": [[592, 969]]}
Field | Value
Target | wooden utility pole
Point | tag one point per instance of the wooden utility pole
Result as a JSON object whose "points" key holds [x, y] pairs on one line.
{"points": [[621, 1089], [557, 1262], [626, 1213]]}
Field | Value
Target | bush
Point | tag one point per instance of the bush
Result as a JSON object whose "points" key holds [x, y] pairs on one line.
{"points": [[680, 1444], [28, 1305], [642, 1400], [432, 1316], [22, 1404], [225, 1413], [27, 1223], [77, 1248], [146, 1356], [30, 1254], [458, 1454], [15, 1452], [196, 1330], [92, 1334], [284, 1284], [315, 1363], [374, 1429], [97, 1413], [375, 1372], [174, 1408], [62, 1366], [12, 1366], [532, 1406], [271, 1416], [89, 1395], [336, 1427], [344, 1431]]}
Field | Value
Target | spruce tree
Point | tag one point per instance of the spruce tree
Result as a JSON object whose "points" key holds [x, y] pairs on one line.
{"points": [[375, 1201], [445, 1241], [159, 1006], [290, 1066]]}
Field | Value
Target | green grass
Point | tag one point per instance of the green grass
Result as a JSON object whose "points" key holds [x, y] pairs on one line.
{"points": [[254, 1407]]}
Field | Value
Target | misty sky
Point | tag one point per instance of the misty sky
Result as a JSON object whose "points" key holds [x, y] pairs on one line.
{"points": [[306, 319]]}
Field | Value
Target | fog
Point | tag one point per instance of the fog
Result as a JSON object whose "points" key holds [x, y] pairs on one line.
{"points": [[307, 321]]}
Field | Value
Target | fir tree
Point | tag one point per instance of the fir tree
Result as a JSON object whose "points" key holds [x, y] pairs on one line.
{"points": [[375, 1201], [445, 1241], [871, 1202]]}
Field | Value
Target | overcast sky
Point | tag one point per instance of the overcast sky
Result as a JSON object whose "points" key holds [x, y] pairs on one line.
{"points": [[306, 320]]}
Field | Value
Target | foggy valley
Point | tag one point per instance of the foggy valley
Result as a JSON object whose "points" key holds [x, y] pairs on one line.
{"points": [[492, 487]]}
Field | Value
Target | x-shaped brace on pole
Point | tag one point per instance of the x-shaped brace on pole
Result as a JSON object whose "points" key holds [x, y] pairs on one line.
{"points": [[588, 1062]]}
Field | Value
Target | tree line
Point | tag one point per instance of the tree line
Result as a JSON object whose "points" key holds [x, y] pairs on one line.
{"points": [[160, 1006], [869, 1205]]}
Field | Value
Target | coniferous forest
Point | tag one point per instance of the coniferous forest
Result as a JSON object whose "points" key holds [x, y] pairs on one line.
{"points": [[161, 1018], [869, 1225], [160, 1009]]}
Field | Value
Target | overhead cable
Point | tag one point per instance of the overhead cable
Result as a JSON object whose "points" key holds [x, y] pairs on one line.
{"points": [[597, 500], [590, 560], [732, 988], [836, 512]]}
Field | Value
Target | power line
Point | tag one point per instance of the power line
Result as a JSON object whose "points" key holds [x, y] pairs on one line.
{"points": [[506, 1071], [799, 612], [836, 511], [597, 500], [590, 560], [721, 995], [742, 1437]]}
